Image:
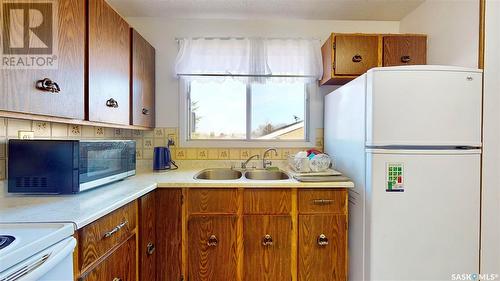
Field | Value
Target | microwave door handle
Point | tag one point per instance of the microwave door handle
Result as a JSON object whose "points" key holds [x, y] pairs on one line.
{"points": [[41, 266]]}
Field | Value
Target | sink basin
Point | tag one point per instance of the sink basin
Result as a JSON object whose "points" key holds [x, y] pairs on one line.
{"points": [[218, 174], [266, 175]]}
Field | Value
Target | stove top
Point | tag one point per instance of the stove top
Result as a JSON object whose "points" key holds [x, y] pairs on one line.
{"points": [[5, 240]]}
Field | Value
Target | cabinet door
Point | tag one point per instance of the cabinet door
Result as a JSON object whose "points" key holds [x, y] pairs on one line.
{"points": [[267, 248], [147, 237], [120, 265], [212, 248], [143, 82], [322, 248], [404, 50], [355, 54], [168, 234], [108, 65], [58, 44]]}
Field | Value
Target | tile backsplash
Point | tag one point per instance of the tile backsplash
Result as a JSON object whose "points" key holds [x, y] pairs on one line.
{"points": [[145, 142]]}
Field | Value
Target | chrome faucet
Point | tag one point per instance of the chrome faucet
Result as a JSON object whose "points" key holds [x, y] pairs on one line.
{"points": [[244, 164], [266, 163]]}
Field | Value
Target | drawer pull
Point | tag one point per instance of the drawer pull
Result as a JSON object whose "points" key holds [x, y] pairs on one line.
{"points": [[322, 240], [116, 229], [145, 111], [117, 279], [48, 85], [150, 248], [405, 59], [112, 103], [357, 58], [322, 201], [267, 240], [212, 241]]}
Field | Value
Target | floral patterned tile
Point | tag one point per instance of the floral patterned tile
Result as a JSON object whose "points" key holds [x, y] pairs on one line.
{"points": [[41, 129], [99, 132], [74, 130], [202, 154], [159, 133]]}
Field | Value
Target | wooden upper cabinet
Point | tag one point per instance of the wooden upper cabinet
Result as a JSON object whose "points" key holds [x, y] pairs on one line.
{"points": [[212, 251], [60, 50], [322, 248], [355, 54], [108, 65], [347, 56], [404, 50], [267, 248], [143, 82], [120, 265]]}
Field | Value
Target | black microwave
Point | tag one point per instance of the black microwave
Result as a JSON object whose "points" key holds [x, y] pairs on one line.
{"points": [[67, 166]]}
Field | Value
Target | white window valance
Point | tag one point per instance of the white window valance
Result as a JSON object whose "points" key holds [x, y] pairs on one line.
{"points": [[250, 57]]}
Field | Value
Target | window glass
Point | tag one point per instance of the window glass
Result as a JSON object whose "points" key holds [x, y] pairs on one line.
{"points": [[278, 111], [218, 109]]}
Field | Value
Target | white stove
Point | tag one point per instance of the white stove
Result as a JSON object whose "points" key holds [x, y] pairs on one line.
{"points": [[36, 251]]}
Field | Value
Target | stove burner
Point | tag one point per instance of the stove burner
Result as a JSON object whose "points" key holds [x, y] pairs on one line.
{"points": [[5, 240]]}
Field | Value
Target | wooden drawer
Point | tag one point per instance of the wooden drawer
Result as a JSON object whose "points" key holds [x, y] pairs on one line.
{"points": [[215, 201], [97, 238], [119, 265], [355, 54], [270, 201], [404, 50], [322, 201]]}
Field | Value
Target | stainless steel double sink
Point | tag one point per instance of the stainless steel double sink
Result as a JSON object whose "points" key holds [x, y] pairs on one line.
{"points": [[230, 174]]}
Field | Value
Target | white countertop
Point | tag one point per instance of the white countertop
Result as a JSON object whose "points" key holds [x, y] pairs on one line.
{"points": [[83, 208]]}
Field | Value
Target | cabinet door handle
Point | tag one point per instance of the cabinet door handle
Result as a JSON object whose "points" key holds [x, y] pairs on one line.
{"points": [[150, 248], [145, 111], [322, 240], [48, 85], [357, 58], [212, 241], [322, 201], [405, 59], [112, 103], [115, 229], [267, 240]]}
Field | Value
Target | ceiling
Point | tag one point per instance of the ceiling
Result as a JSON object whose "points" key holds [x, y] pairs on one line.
{"points": [[268, 9]]}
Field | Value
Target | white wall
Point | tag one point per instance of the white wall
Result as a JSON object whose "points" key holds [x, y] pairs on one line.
{"points": [[490, 255], [452, 27], [161, 34]]}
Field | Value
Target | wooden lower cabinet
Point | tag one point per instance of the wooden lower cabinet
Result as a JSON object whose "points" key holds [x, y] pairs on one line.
{"points": [[168, 234], [212, 250], [147, 237], [322, 254], [120, 265], [267, 248], [258, 235]]}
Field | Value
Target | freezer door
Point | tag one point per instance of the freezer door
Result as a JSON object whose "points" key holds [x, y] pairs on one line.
{"points": [[426, 227], [423, 107]]}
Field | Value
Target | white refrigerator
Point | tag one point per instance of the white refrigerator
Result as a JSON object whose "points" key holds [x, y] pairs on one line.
{"points": [[410, 139]]}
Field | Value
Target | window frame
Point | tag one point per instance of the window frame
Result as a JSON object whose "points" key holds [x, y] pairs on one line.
{"points": [[185, 123]]}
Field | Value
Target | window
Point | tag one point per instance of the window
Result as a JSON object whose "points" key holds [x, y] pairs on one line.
{"points": [[251, 91], [233, 109]]}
